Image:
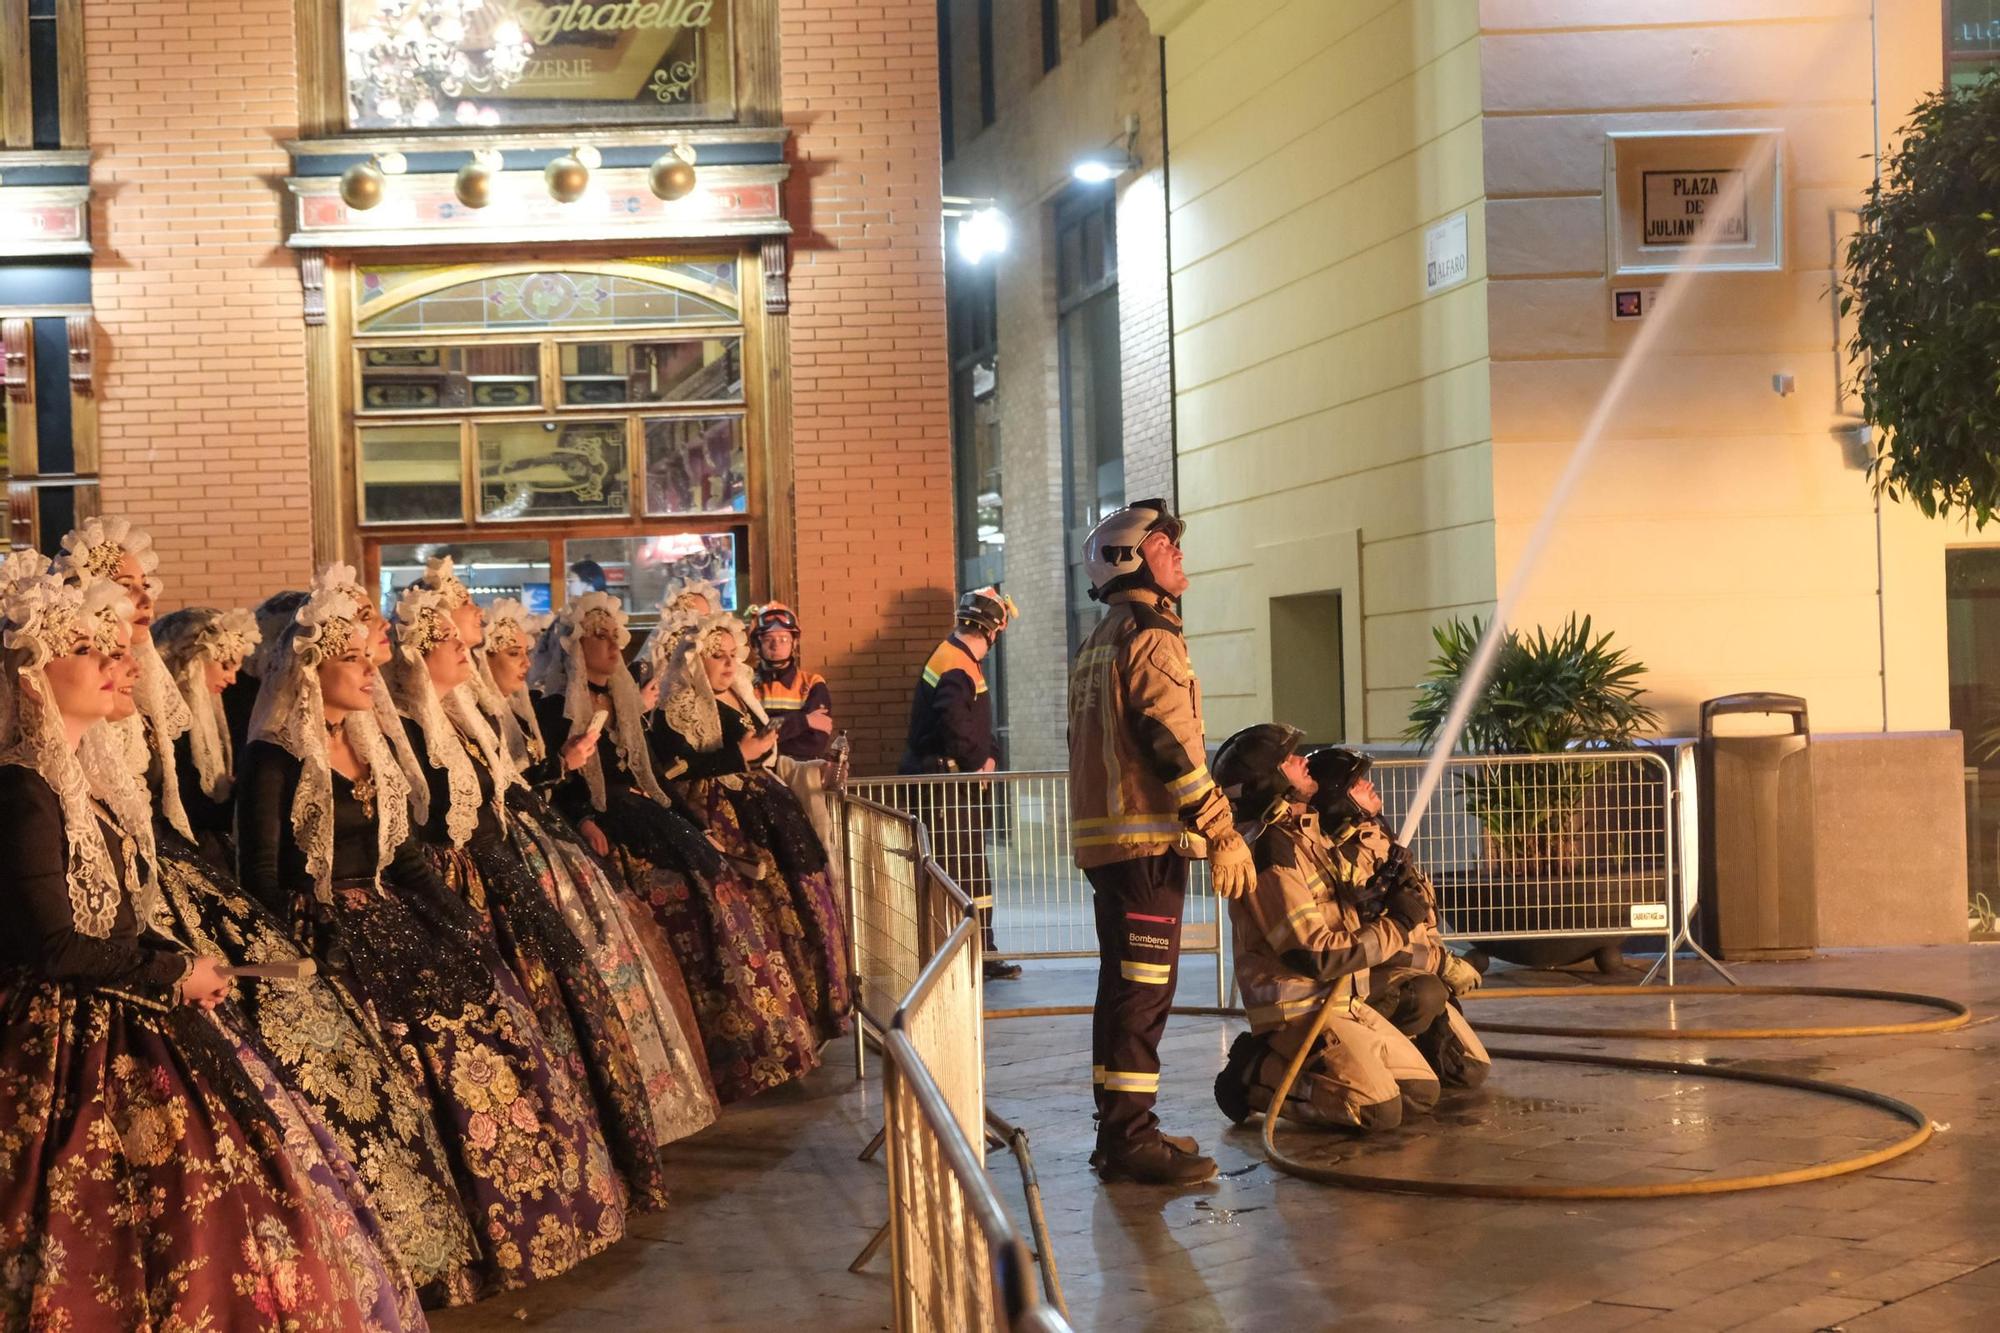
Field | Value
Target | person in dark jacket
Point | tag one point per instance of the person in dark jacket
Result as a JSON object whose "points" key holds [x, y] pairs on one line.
{"points": [[951, 731]]}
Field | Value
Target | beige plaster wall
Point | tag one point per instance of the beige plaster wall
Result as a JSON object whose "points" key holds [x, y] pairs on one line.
{"points": [[1333, 419], [1721, 532]]}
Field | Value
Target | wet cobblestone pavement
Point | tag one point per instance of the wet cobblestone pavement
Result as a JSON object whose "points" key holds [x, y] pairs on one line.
{"points": [[771, 1205]]}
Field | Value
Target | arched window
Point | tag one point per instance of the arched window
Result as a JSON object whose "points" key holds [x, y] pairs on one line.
{"points": [[534, 419]]}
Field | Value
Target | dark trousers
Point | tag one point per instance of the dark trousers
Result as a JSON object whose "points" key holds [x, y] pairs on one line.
{"points": [[958, 822], [1138, 905]]}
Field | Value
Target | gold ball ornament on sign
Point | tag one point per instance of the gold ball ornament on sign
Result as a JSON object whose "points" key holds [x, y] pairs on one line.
{"points": [[671, 177], [567, 179], [474, 186], [361, 186]]}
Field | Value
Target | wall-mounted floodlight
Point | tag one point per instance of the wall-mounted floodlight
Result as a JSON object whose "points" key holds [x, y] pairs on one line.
{"points": [[983, 233], [1109, 163]]}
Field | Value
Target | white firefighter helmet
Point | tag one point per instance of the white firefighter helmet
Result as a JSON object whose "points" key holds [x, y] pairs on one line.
{"points": [[988, 610], [1111, 552]]}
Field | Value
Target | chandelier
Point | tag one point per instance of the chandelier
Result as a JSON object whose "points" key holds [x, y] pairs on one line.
{"points": [[410, 60]]}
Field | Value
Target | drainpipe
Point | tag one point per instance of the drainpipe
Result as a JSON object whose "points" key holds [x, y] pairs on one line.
{"points": [[1167, 209], [1875, 156]]}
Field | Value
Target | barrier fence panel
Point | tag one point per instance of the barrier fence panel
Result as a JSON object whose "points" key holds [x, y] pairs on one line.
{"points": [[883, 868], [943, 1018], [957, 1261], [1526, 846], [1004, 838]]}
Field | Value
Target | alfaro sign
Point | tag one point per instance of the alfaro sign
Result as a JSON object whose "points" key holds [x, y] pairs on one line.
{"points": [[432, 63]]}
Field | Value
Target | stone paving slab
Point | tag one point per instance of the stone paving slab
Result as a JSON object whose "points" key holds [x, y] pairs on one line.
{"points": [[770, 1205]]}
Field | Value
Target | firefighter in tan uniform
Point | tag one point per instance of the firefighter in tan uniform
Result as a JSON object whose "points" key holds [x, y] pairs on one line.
{"points": [[1142, 805], [1416, 989], [1296, 942]]}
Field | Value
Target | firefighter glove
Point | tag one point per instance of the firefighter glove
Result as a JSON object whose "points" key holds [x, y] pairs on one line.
{"points": [[1406, 907], [1460, 975], [1230, 865]]}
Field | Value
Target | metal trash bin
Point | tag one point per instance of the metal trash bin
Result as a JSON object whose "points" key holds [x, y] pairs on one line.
{"points": [[1757, 861]]}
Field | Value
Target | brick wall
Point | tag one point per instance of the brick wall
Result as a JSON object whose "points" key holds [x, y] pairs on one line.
{"points": [[202, 387], [870, 407]]}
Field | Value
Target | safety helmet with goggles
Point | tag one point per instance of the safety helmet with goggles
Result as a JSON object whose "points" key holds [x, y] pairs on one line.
{"points": [[1111, 557], [988, 610], [770, 616]]}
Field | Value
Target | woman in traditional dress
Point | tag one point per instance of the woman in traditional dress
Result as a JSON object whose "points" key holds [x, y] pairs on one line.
{"points": [[151, 1174], [325, 840], [645, 983], [708, 728], [204, 650], [316, 1035], [484, 852], [757, 1031]]}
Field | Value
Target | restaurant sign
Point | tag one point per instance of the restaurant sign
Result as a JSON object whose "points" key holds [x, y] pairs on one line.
{"points": [[442, 64]]}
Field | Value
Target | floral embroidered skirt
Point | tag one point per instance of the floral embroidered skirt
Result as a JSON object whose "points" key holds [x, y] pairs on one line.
{"points": [[322, 1047], [529, 1159], [647, 987], [772, 821], [502, 879], [755, 1026], [150, 1177]]}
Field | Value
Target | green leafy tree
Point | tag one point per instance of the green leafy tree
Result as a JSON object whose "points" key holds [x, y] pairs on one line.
{"points": [[1546, 694], [1923, 285]]}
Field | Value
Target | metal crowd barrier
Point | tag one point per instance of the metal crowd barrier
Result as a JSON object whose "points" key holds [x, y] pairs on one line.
{"points": [[1544, 846], [1004, 838], [957, 1261], [1519, 847]]}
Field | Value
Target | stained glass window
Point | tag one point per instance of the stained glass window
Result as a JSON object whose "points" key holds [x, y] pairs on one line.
{"points": [[425, 300]]}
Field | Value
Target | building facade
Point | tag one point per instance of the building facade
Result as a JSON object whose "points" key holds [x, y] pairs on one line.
{"points": [[1062, 380], [1413, 247], [655, 288]]}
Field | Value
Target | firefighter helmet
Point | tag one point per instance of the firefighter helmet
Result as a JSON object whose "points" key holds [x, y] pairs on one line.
{"points": [[1249, 767], [1336, 769], [770, 616], [987, 610], [1111, 556]]}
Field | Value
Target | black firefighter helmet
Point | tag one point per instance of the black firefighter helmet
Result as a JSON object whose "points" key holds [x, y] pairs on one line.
{"points": [[1248, 768], [1335, 769]]}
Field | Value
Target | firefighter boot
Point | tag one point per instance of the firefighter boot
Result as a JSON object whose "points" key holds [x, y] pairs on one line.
{"points": [[1154, 1161], [1232, 1085]]}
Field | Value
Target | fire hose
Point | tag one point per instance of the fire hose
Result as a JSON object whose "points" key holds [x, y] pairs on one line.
{"points": [[1952, 1015]]}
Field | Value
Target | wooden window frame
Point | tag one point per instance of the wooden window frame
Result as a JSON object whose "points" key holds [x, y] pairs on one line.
{"points": [[17, 106], [766, 476]]}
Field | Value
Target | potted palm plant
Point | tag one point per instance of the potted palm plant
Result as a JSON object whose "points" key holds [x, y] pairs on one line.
{"points": [[1550, 833]]}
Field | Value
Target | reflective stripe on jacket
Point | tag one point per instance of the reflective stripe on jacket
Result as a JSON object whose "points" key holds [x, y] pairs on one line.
{"points": [[951, 715], [1295, 935], [1138, 771]]}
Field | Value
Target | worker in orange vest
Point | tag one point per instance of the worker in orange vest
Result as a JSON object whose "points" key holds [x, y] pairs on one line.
{"points": [[794, 698]]}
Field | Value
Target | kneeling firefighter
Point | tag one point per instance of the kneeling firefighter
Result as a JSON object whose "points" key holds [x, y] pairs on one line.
{"points": [[1297, 941], [1416, 988]]}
